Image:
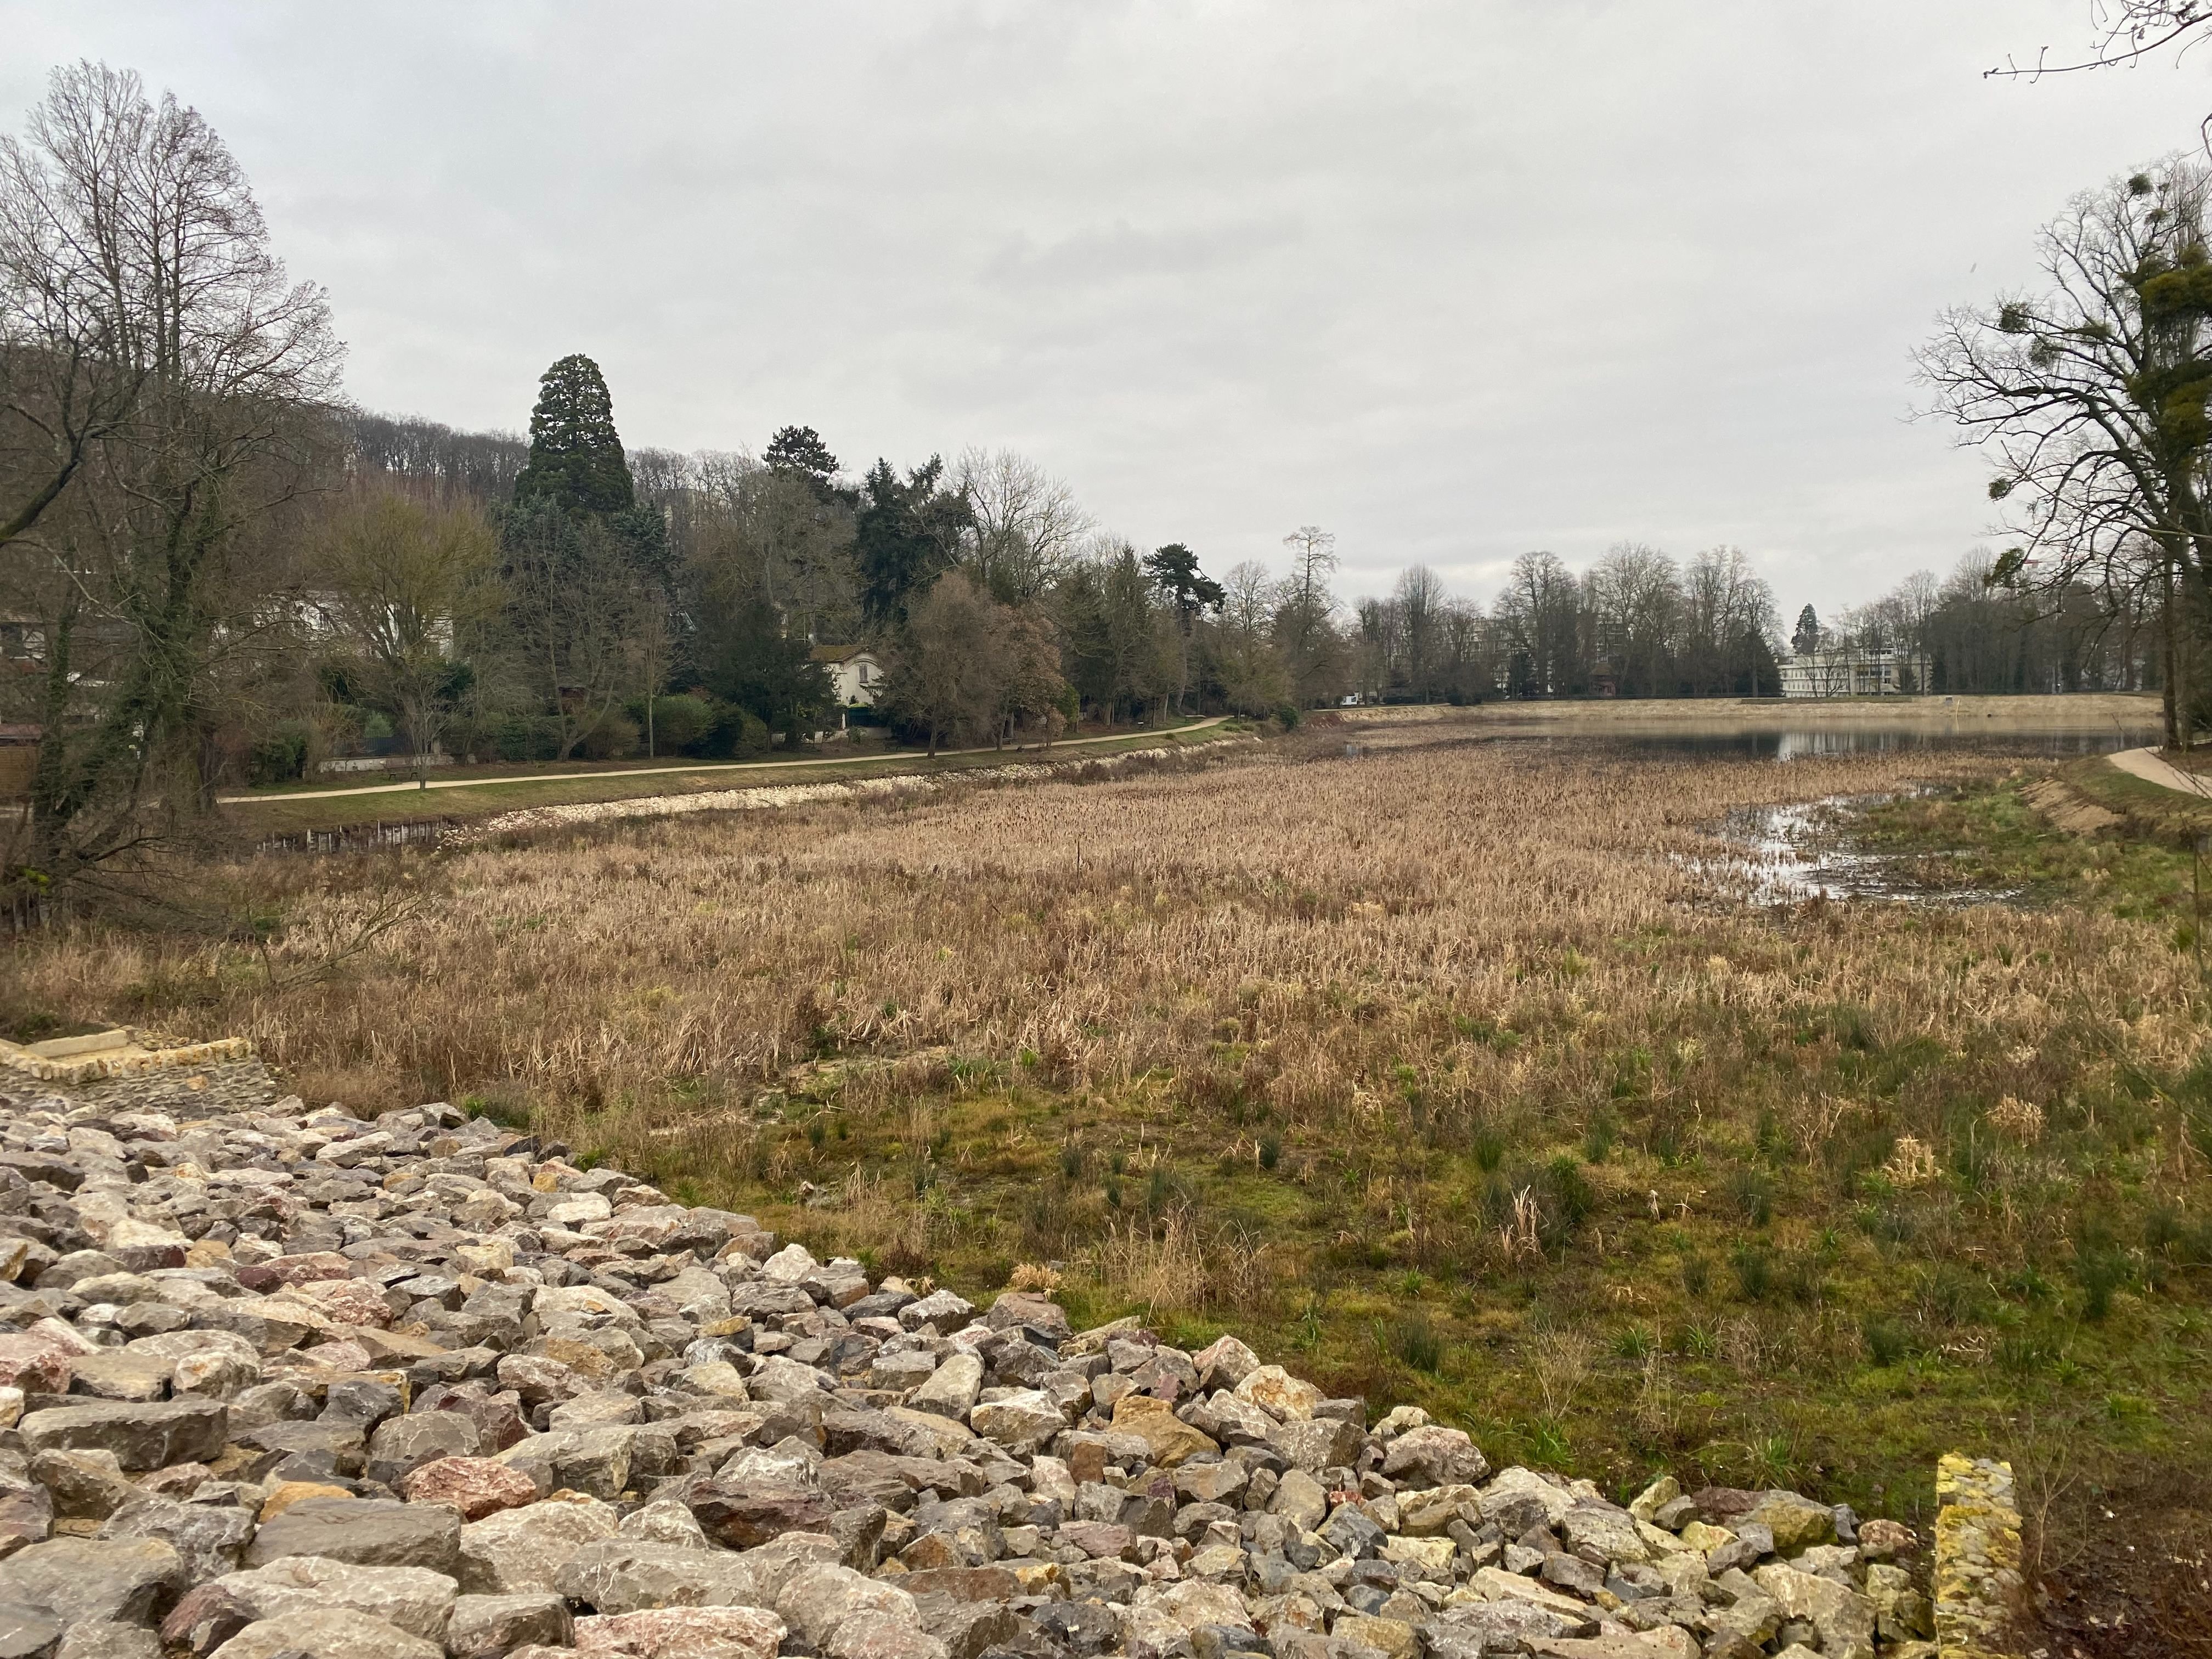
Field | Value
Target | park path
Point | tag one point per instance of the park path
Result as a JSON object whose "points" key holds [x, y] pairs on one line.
{"points": [[707, 766], [2153, 768]]}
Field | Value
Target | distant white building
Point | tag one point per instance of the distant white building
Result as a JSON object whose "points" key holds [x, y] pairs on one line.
{"points": [[1849, 671], [856, 677]]}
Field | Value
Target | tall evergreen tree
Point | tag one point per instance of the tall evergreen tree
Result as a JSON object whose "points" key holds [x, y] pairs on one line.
{"points": [[904, 537], [1806, 636], [799, 450], [575, 455], [1174, 570]]}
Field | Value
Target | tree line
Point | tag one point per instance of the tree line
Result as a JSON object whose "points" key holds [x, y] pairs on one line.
{"points": [[215, 571]]}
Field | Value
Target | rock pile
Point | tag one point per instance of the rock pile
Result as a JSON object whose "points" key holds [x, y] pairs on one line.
{"points": [[281, 1383]]}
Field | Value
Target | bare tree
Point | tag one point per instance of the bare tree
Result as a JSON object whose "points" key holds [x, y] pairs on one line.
{"points": [[2126, 33], [139, 212], [2090, 397], [400, 587], [752, 530], [1536, 617], [1026, 526], [945, 676], [1419, 598], [1635, 599], [1304, 630], [1245, 659], [1728, 619]]}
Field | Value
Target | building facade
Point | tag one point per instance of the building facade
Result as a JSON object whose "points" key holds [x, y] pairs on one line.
{"points": [[1852, 672], [856, 677]]}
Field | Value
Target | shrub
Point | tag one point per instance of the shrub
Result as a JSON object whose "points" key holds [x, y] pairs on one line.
{"points": [[1271, 1151], [1287, 716], [2101, 1273], [615, 738], [1573, 1198], [736, 733], [680, 724], [1754, 1197], [280, 755]]}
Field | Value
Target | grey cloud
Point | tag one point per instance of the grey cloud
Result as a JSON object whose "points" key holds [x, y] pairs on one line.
{"points": [[1454, 279]]}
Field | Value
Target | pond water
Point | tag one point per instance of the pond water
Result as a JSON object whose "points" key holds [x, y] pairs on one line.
{"points": [[1800, 743], [1789, 854]]}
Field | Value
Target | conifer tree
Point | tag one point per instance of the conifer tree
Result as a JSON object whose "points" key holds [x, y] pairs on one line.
{"points": [[576, 455]]}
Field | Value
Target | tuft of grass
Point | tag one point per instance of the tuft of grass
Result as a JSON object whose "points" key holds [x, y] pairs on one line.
{"points": [[1754, 1271], [1417, 1342], [1885, 1341]]}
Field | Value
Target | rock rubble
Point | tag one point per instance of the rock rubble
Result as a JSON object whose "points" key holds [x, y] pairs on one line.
{"points": [[278, 1382]]}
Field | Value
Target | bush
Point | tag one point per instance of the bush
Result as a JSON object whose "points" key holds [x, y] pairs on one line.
{"points": [[525, 738], [281, 755], [736, 733], [1754, 1197], [680, 724], [615, 738], [1287, 716], [1488, 1146]]}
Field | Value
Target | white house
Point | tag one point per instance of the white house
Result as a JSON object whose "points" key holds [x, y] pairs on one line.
{"points": [[856, 677], [1851, 672]]}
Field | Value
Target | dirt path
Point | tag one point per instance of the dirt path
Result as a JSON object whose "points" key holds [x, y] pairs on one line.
{"points": [[2153, 768], [696, 766]]}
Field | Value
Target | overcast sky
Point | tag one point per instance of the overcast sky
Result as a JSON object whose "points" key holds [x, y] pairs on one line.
{"points": [[1452, 280]]}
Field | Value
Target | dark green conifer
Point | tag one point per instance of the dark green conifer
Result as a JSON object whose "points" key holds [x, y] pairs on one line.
{"points": [[576, 455]]}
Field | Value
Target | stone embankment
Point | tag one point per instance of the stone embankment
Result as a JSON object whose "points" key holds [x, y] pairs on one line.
{"points": [[280, 1382]]}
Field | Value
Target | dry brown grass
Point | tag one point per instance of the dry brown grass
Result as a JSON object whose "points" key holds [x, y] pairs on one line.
{"points": [[1287, 933]]}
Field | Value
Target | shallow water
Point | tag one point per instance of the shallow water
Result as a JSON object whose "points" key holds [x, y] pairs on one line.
{"points": [[1782, 743], [1802, 851]]}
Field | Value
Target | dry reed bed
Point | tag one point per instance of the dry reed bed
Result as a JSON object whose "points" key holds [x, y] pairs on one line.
{"points": [[1291, 933]]}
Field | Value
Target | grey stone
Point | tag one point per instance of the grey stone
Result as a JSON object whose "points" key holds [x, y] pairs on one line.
{"points": [[490, 1626], [620, 1575], [109, 1641], [952, 1388], [403, 1443], [211, 1538], [819, 1598], [148, 1435], [328, 1633], [27, 1632], [363, 1532], [523, 1550], [412, 1598], [84, 1579]]}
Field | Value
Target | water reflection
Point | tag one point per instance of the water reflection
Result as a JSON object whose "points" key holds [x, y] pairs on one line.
{"points": [[1790, 854], [1804, 742]]}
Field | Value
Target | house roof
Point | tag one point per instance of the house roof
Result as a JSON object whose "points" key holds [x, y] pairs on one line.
{"points": [[835, 653]]}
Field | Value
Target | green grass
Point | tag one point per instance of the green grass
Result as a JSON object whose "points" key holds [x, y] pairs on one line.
{"points": [[283, 811]]}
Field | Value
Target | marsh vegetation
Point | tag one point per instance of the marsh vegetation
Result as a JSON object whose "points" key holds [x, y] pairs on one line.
{"points": [[1462, 1072]]}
